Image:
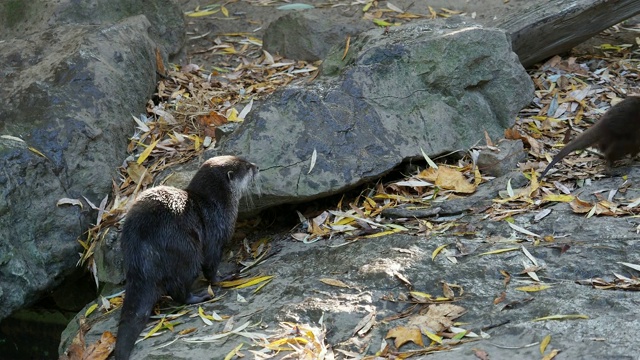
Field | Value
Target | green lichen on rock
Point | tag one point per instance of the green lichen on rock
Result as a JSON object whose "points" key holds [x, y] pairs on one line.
{"points": [[14, 11]]}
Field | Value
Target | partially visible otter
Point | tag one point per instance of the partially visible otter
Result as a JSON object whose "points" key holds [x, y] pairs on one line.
{"points": [[616, 134], [170, 235]]}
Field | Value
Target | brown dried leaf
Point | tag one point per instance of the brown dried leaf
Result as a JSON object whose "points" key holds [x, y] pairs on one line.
{"points": [[448, 178], [480, 354], [403, 335], [212, 119], [160, 63], [499, 299], [139, 174], [334, 282], [102, 348]]}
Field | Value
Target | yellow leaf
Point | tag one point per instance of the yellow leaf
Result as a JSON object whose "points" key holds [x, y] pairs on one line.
{"points": [[85, 245], [544, 343], [397, 227], [370, 201], [90, 309], [346, 48], [561, 317], [344, 221], [146, 152], [205, 318], [383, 233], [197, 142], [187, 331], [254, 281], [155, 329], [275, 345], [433, 337], [232, 115], [201, 13], [224, 10], [418, 294], [36, 151], [367, 6], [460, 335], [233, 352], [437, 251], [261, 286], [533, 288], [477, 177], [229, 51], [499, 251], [558, 198], [448, 11], [381, 22], [551, 355], [243, 283]]}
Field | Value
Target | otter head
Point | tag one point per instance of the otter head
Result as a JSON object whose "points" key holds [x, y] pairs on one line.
{"points": [[235, 172]]}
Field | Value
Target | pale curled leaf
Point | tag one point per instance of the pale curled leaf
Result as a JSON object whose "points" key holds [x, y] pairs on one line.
{"points": [[68, 201], [428, 159], [245, 111], [10, 137], [141, 125], [314, 157], [510, 189], [365, 324], [523, 230], [633, 266], [394, 8], [562, 317], [528, 255]]}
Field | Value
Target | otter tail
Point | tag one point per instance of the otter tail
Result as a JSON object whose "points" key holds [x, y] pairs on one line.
{"points": [[583, 141], [136, 309]]}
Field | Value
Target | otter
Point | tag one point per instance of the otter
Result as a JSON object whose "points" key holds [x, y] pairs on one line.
{"points": [[616, 134], [170, 235]]}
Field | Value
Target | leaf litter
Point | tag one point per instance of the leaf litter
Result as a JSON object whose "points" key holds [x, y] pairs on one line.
{"points": [[192, 103]]}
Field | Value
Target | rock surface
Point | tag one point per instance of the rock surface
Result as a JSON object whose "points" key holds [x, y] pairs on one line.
{"points": [[538, 29], [372, 268], [72, 77], [431, 85], [309, 35]]}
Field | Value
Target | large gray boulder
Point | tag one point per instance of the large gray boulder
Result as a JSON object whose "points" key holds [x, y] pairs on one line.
{"points": [[433, 85], [309, 35], [73, 74]]}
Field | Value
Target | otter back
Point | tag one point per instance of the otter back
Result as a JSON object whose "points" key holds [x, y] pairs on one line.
{"points": [[170, 235]]}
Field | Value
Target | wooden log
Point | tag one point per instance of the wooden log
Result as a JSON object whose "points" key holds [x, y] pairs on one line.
{"points": [[549, 27]]}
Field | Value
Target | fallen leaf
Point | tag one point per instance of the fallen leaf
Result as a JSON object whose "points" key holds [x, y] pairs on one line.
{"points": [[403, 335], [334, 282], [544, 343]]}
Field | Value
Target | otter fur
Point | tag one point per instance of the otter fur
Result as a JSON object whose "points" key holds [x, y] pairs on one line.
{"points": [[171, 235], [616, 134]]}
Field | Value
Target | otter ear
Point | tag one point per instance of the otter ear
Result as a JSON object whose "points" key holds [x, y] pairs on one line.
{"points": [[230, 175]]}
